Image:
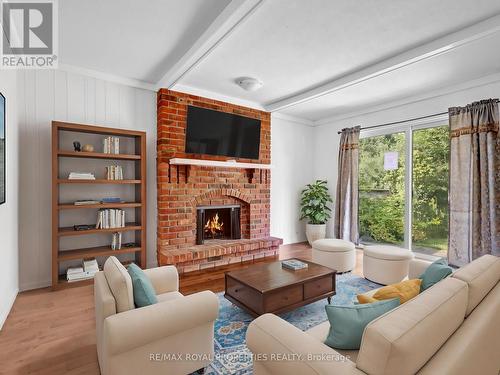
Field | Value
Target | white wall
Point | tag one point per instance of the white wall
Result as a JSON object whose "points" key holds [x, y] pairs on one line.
{"points": [[47, 95], [292, 155], [326, 139], [9, 285]]}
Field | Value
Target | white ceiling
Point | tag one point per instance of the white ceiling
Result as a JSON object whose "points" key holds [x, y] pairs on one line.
{"points": [[130, 38], [317, 58]]}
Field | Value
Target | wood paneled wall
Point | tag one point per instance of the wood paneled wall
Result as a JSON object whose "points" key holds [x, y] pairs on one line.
{"points": [[48, 95]]}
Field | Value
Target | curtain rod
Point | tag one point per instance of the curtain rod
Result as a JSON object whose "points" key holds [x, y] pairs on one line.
{"points": [[402, 121]]}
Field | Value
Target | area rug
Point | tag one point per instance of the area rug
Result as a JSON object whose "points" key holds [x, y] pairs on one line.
{"points": [[232, 357]]}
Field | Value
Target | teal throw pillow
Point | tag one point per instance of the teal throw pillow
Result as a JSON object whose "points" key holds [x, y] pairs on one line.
{"points": [[144, 292], [436, 272], [347, 323]]}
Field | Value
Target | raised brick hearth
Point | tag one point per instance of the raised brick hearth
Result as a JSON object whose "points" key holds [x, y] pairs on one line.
{"points": [[183, 188]]}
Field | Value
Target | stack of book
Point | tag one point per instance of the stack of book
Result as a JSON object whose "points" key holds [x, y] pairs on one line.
{"points": [[111, 145], [293, 264], [116, 242], [83, 202], [114, 172], [81, 176], [86, 271], [110, 218]]}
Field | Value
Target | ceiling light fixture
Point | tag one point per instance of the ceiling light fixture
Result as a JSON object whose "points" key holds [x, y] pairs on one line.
{"points": [[249, 84]]}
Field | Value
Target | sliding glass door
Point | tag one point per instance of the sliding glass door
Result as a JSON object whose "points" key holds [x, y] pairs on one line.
{"points": [[403, 188], [430, 191], [382, 189]]}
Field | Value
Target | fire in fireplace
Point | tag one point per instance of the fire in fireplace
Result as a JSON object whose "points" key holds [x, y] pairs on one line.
{"points": [[217, 222]]}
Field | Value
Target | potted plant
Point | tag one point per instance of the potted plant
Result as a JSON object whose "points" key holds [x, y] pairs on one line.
{"points": [[313, 206]]}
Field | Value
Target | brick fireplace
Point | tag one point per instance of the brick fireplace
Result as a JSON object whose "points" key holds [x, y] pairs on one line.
{"points": [[189, 196]]}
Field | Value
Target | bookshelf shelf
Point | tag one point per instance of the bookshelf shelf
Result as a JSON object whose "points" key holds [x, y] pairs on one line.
{"points": [[92, 252], [98, 181], [70, 231], [63, 283], [97, 155], [136, 206], [70, 206]]}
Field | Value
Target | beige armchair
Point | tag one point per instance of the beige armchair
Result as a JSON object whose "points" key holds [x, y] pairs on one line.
{"points": [[173, 336]]}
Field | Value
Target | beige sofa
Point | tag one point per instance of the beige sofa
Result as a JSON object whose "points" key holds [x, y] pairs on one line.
{"points": [[173, 336], [452, 328]]}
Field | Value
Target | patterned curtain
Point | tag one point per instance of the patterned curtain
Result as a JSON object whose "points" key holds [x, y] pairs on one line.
{"points": [[474, 182], [346, 207]]}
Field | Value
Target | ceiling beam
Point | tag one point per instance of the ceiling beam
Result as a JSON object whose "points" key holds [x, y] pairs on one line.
{"points": [[227, 21], [437, 47]]}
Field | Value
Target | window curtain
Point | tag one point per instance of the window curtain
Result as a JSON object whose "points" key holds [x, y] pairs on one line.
{"points": [[474, 182], [346, 207]]}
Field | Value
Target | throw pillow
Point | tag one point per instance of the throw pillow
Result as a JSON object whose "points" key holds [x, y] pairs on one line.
{"points": [[347, 323], [436, 272], [405, 291], [144, 292]]}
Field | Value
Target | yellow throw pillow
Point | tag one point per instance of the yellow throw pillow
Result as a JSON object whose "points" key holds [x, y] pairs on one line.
{"points": [[366, 299], [405, 291]]}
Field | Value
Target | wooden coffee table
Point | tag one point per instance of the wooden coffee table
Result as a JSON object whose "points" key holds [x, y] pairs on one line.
{"points": [[269, 288]]}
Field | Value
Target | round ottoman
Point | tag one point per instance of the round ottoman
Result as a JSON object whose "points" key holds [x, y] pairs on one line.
{"points": [[339, 255], [386, 264]]}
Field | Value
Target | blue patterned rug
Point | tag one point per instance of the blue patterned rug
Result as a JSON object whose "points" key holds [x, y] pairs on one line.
{"points": [[232, 356]]}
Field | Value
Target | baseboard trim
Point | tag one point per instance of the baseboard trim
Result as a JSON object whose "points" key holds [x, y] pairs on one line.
{"points": [[4, 313], [34, 285]]}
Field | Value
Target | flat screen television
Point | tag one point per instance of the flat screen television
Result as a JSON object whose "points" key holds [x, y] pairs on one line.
{"points": [[212, 132]]}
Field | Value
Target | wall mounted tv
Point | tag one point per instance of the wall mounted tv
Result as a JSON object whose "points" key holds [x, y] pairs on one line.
{"points": [[217, 133]]}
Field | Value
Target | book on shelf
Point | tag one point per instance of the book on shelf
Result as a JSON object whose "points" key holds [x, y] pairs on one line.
{"points": [[114, 172], [110, 218], [116, 241], [83, 202], [81, 176], [111, 145], [86, 271], [293, 264]]}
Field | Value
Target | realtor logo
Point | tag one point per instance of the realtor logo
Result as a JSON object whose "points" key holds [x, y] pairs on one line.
{"points": [[29, 34]]}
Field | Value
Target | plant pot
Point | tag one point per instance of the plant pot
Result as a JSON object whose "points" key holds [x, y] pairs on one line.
{"points": [[315, 232]]}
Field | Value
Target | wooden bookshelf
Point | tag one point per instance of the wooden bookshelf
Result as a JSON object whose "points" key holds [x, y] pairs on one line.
{"points": [[138, 203]]}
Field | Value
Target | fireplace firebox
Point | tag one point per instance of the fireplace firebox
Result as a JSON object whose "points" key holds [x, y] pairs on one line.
{"points": [[217, 222]]}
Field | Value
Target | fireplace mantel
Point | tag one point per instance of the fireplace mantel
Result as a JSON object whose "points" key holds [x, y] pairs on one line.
{"points": [[217, 163]]}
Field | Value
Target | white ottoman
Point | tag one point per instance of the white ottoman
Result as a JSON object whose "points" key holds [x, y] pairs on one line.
{"points": [[386, 264], [339, 255]]}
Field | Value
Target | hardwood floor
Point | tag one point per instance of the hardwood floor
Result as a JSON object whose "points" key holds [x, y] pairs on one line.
{"points": [[54, 332]]}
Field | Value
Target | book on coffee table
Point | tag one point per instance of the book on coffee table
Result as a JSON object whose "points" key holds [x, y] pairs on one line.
{"points": [[293, 264]]}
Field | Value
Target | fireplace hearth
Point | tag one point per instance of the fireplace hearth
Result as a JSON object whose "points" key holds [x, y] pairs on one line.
{"points": [[217, 222]]}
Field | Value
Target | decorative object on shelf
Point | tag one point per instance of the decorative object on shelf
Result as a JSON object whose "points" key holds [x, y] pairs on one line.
{"points": [[81, 176], [314, 207], [77, 146], [111, 200], [82, 227], [111, 145], [2, 149], [130, 244], [88, 148]]}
